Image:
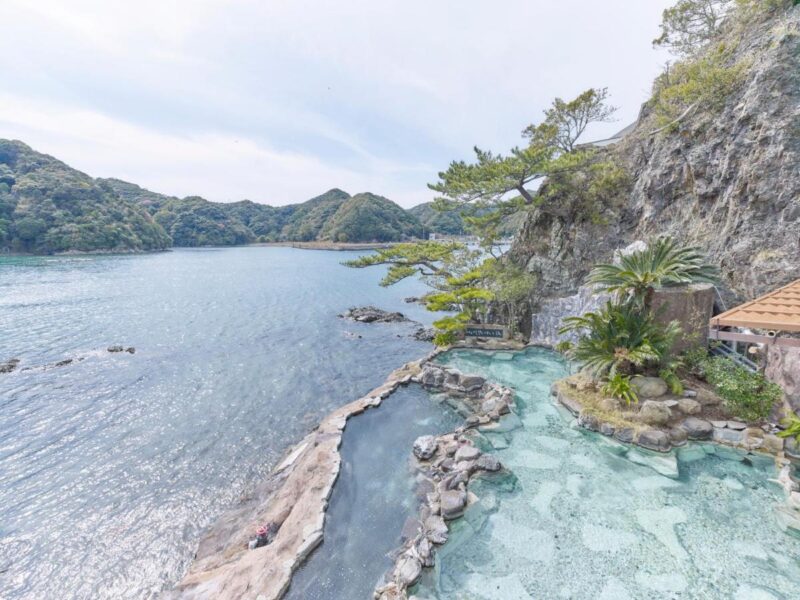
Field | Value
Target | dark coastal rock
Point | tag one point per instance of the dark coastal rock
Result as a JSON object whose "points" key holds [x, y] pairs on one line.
{"points": [[425, 447], [425, 334], [654, 439], [697, 429], [470, 383], [371, 314], [117, 348], [9, 365]]}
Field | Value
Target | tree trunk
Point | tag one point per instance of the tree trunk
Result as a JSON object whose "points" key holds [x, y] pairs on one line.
{"points": [[525, 194]]}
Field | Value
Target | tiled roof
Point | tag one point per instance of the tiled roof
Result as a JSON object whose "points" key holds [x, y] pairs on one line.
{"points": [[776, 311]]}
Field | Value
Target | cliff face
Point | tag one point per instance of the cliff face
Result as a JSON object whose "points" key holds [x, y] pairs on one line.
{"points": [[726, 180]]}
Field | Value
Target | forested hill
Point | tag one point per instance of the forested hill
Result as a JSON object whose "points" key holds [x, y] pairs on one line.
{"points": [[333, 216], [48, 207]]}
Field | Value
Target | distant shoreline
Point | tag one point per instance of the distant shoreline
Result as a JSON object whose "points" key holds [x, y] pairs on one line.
{"points": [[323, 245]]}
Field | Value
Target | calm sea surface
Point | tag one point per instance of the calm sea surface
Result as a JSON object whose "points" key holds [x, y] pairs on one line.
{"points": [[111, 466]]}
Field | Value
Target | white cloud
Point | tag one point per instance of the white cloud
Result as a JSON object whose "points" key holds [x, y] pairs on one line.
{"points": [[280, 100]]}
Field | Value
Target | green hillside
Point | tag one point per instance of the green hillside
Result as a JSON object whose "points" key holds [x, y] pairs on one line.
{"points": [[370, 218], [46, 206], [435, 221]]}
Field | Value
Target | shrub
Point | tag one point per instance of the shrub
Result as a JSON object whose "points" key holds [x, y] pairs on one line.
{"points": [[620, 338], [704, 83], [619, 386], [792, 424], [747, 395]]}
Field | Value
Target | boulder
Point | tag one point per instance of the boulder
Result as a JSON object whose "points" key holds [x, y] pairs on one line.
{"points": [[677, 436], [654, 413], [424, 549], [654, 439], [407, 571], [487, 462], [607, 428], [470, 383], [610, 405], [624, 434], [467, 452], [425, 447], [697, 429], [9, 365], [452, 503], [688, 406], [436, 529], [425, 334], [588, 421], [773, 443], [649, 387]]}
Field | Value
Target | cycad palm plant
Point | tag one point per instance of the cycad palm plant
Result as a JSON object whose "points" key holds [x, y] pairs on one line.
{"points": [[619, 338], [664, 262]]}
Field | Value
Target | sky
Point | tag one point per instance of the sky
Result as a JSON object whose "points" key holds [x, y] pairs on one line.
{"points": [[279, 101]]}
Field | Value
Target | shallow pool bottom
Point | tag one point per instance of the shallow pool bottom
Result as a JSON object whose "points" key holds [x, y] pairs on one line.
{"points": [[579, 519]]}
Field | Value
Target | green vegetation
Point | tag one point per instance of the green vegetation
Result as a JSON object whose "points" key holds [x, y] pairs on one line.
{"points": [[620, 338], [464, 282], [46, 206], [691, 24], [489, 195], [792, 425], [619, 386], [702, 83], [705, 35], [367, 217], [306, 221], [439, 221], [747, 395], [662, 263], [333, 216], [624, 338]]}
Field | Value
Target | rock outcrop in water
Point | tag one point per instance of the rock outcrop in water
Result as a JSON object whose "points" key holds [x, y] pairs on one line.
{"points": [[371, 314]]}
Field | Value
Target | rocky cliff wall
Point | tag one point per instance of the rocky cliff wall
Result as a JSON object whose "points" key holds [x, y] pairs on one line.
{"points": [[727, 180]]}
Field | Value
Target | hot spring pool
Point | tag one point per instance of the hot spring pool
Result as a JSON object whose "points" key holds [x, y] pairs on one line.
{"points": [[580, 520]]}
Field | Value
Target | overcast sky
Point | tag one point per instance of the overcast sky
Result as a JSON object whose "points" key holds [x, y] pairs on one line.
{"points": [[278, 101]]}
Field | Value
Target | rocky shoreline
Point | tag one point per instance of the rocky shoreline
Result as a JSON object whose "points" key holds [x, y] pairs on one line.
{"points": [[445, 464], [293, 500]]}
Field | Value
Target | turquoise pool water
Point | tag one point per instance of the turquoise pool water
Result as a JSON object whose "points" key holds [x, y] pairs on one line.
{"points": [[583, 520]]}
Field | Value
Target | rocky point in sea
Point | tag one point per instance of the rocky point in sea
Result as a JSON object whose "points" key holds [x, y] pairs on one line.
{"points": [[371, 314]]}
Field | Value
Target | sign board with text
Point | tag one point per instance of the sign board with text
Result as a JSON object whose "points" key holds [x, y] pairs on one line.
{"points": [[486, 331]]}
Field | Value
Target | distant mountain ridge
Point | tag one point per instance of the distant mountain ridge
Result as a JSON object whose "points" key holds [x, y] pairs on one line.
{"points": [[48, 207]]}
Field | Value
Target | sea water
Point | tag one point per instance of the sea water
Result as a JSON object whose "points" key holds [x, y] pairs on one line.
{"points": [[112, 465]]}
